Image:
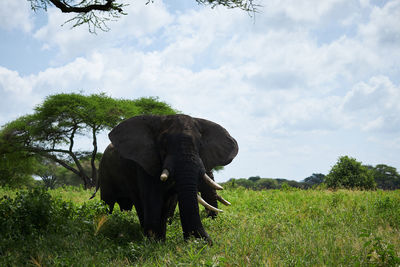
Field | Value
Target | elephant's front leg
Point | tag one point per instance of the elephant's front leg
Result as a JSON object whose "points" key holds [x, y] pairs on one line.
{"points": [[170, 203], [152, 198]]}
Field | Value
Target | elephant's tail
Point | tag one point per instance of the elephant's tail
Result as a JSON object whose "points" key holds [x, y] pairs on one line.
{"points": [[97, 188], [94, 194], [100, 171]]}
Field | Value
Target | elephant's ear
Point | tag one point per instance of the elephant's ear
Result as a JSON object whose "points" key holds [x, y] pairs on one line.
{"points": [[218, 148], [135, 139]]}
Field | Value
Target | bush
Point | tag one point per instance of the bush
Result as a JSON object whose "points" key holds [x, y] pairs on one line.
{"points": [[28, 213], [122, 227], [351, 174], [35, 223], [35, 212]]}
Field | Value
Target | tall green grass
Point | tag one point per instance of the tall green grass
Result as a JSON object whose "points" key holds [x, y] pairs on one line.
{"points": [[275, 228]]}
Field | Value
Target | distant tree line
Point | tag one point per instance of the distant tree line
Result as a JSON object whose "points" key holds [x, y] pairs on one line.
{"points": [[346, 173], [258, 183]]}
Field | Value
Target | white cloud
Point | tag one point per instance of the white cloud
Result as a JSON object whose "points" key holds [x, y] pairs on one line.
{"points": [[16, 95], [306, 11], [15, 14], [375, 124], [380, 34], [11, 82], [21, 93], [374, 105], [382, 30]]}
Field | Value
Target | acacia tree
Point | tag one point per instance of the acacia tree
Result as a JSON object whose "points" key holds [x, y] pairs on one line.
{"points": [[52, 130], [96, 13]]}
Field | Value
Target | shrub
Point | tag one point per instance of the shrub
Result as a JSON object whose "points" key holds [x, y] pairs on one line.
{"points": [[36, 212], [29, 212]]}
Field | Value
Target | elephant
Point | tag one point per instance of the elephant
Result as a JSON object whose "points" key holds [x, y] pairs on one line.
{"points": [[156, 162]]}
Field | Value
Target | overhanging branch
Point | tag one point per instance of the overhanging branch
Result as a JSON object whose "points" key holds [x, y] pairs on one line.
{"points": [[108, 6], [98, 13]]}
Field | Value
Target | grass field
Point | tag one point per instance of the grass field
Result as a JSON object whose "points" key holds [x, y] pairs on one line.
{"points": [[261, 228]]}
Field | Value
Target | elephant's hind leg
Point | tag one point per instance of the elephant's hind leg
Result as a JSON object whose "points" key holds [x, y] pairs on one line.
{"points": [[125, 203]]}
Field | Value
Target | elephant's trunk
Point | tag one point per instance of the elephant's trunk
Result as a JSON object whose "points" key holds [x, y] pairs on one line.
{"points": [[187, 177]]}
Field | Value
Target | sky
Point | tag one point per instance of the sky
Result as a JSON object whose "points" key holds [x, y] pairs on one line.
{"points": [[298, 84]]}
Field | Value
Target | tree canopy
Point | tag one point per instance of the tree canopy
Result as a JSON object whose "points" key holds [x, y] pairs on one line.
{"points": [[386, 177], [51, 131], [350, 173], [16, 169], [96, 13]]}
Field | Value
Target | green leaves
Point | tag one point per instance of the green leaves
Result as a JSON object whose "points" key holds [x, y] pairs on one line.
{"points": [[28, 213], [63, 113], [349, 173], [35, 213], [150, 105], [16, 169], [379, 252]]}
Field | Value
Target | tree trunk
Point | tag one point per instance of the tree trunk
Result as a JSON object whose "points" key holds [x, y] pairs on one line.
{"points": [[93, 159]]}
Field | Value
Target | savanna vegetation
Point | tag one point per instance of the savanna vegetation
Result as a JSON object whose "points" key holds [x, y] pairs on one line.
{"points": [[344, 218], [287, 227]]}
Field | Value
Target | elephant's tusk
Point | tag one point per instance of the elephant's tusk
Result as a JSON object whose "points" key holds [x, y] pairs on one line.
{"points": [[206, 205], [223, 201], [164, 175], [211, 183]]}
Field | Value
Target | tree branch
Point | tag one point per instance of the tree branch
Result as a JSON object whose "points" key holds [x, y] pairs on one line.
{"points": [[80, 172], [62, 163], [64, 7], [83, 175], [71, 139], [39, 150]]}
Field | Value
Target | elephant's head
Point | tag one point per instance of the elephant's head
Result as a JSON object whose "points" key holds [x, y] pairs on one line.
{"points": [[177, 147]]}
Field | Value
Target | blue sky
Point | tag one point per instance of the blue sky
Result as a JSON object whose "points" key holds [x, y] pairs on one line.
{"points": [[299, 85]]}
